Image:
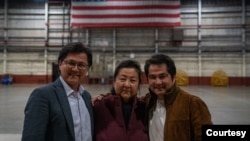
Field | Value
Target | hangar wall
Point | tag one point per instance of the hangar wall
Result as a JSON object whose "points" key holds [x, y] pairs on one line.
{"points": [[212, 37]]}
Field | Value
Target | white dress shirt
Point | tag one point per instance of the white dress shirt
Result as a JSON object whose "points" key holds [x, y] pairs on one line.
{"points": [[156, 124], [80, 113]]}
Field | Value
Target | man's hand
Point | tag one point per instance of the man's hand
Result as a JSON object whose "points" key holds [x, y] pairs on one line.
{"points": [[94, 99]]}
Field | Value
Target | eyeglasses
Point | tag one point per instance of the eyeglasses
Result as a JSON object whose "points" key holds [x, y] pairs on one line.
{"points": [[72, 64]]}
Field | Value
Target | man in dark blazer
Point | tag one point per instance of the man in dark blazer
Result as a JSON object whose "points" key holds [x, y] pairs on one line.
{"points": [[62, 110]]}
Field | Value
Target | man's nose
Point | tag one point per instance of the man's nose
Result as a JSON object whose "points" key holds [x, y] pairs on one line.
{"points": [[157, 80], [76, 67]]}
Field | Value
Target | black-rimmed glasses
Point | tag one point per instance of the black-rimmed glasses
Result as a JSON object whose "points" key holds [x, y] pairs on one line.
{"points": [[72, 64]]}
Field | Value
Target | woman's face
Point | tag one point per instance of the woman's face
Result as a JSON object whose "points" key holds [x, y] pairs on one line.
{"points": [[126, 83]]}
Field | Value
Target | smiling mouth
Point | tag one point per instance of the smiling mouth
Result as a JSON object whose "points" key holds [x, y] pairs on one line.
{"points": [[159, 88], [74, 75]]}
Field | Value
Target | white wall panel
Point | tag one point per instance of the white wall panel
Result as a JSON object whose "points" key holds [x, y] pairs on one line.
{"points": [[248, 65], [26, 68], [33, 56], [232, 65], [1, 67]]}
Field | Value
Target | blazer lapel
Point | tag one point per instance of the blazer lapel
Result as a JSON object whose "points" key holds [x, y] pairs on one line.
{"points": [[63, 100], [87, 99]]}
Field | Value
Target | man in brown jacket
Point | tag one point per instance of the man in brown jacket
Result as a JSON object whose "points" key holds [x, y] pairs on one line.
{"points": [[173, 114]]}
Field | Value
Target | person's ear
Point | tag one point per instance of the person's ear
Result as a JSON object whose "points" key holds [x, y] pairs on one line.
{"points": [[174, 78]]}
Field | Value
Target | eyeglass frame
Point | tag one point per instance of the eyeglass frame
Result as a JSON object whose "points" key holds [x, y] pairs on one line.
{"points": [[72, 64]]}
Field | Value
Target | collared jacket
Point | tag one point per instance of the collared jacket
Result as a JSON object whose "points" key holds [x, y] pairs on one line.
{"points": [[185, 115], [110, 124], [48, 115]]}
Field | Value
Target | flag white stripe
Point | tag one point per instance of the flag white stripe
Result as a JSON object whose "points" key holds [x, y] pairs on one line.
{"points": [[126, 20]]}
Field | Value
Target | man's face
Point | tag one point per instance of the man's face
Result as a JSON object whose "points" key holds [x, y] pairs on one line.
{"points": [[74, 68], [159, 80]]}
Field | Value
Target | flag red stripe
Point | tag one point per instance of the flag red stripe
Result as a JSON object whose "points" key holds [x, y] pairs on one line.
{"points": [[127, 16], [137, 0], [125, 24]]}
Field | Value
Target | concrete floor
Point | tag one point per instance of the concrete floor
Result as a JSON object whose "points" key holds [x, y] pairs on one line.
{"points": [[228, 105]]}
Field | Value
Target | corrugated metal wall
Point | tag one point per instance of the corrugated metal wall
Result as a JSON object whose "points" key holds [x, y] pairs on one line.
{"points": [[214, 35]]}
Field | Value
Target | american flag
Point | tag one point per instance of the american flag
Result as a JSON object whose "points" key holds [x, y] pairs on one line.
{"points": [[125, 13]]}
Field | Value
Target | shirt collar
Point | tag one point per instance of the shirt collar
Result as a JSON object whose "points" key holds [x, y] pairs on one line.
{"points": [[160, 103], [68, 90]]}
